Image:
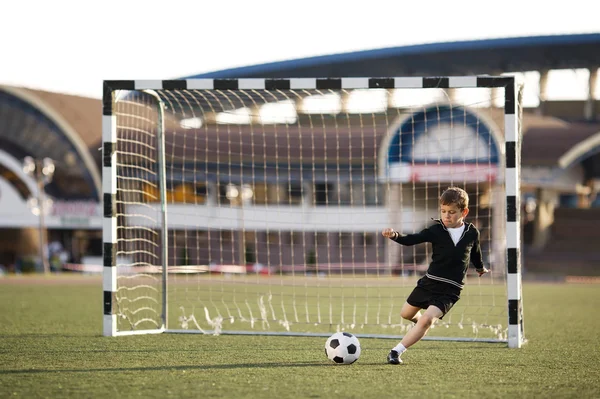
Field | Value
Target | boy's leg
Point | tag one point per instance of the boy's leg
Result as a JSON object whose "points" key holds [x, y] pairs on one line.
{"points": [[425, 321], [414, 335], [410, 312]]}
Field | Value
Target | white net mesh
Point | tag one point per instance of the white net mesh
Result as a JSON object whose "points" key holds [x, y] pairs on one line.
{"points": [[275, 202]]}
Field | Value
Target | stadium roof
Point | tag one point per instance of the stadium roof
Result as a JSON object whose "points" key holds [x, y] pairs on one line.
{"points": [[474, 57]]}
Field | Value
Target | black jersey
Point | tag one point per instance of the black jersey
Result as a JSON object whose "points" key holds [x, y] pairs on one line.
{"points": [[450, 262]]}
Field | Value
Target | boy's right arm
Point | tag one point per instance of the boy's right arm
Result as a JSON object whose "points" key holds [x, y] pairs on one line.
{"points": [[409, 239]]}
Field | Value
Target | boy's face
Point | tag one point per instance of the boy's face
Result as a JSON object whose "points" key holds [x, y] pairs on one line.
{"points": [[452, 216]]}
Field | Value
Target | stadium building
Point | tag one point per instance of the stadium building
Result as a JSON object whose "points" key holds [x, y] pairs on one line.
{"points": [[560, 163]]}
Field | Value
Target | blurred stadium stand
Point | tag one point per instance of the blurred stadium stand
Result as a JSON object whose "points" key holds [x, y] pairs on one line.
{"points": [[561, 146]]}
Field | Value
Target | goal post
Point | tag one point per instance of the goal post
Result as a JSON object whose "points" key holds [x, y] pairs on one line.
{"points": [[255, 206]]}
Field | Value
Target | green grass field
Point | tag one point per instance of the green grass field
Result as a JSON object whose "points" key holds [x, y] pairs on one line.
{"points": [[51, 346]]}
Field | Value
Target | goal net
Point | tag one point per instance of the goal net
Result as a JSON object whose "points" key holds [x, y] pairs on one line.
{"points": [[255, 206]]}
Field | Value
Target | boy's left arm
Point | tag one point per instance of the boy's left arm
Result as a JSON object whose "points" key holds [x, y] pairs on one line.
{"points": [[477, 257]]}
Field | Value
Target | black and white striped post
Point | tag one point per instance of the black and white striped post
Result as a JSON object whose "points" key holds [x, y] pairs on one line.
{"points": [[109, 224], [513, 232]]}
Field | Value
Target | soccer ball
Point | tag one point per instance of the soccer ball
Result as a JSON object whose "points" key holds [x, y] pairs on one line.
{"points": [[342, 348]]}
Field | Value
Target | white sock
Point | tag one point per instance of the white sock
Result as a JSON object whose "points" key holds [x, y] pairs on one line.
{"points": [[400, 349]]}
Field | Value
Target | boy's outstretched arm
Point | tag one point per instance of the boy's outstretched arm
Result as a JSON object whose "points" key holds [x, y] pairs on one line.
{"points": [[409, 239]]}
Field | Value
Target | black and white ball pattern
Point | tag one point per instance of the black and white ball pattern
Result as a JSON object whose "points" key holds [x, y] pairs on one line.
{"points": [[342, 348]]}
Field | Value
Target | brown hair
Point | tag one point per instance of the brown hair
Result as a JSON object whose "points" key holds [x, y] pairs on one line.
{"points": [[455, 196]]}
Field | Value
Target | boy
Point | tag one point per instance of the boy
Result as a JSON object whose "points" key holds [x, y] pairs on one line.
{"points": [[455, 243]]}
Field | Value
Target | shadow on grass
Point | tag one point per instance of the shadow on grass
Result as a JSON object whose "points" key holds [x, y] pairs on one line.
{"points": [[175, 368], [50, 335]]}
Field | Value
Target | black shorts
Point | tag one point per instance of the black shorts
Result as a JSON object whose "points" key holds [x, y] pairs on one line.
{"points": [[430, 292]]}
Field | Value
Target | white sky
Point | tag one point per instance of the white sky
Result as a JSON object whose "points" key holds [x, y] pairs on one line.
{"points": [[72, 46]]}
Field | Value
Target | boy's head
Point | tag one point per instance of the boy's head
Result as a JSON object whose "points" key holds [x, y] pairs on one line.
{"points": [[454, 206]]}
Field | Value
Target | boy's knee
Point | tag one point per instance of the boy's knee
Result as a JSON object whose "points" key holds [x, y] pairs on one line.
{"points": [[426, 320]]}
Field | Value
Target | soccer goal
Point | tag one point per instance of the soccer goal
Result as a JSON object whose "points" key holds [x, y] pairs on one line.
{"points": [[255, 206]]}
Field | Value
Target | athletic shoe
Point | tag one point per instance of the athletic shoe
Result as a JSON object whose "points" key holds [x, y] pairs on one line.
{"points": [[393, 357]]}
